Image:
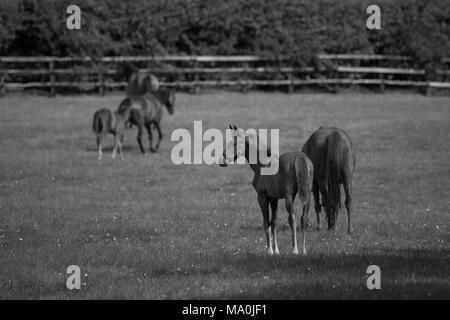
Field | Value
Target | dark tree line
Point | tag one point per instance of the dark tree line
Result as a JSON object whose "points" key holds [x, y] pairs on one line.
{"points": [[297, 28]]}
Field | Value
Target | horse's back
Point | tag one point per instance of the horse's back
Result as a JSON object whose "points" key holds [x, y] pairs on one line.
{"points": [[330, 140], [142, 83], [296, 171]]}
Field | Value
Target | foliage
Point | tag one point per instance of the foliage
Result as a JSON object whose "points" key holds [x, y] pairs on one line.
{"points": [[296, 28]]}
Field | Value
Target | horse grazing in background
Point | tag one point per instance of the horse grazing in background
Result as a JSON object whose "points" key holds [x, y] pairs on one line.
{"points": [[139, 83], [105, 122], [295, 175], [331, 151], [146, 111]]}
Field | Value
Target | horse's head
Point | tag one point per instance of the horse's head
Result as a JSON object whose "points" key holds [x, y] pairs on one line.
{"points": [[234, 148], [125, 69], [169, 101]]}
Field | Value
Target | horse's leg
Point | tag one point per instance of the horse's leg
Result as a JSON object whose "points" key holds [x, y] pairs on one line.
{"points": [[119, 141], [99, 146], [264, 205], [116, 145], [348, 200], [158, 128], [139, 136], [292, 221], [148, 126], [274, 206], [317, 206], [303, 225]]}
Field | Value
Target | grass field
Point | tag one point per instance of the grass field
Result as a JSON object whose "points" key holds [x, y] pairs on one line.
{"points": [[146, 228]]}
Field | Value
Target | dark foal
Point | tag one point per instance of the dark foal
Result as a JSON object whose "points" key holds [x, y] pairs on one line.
{"points": [[107, 122], [294, 176]]}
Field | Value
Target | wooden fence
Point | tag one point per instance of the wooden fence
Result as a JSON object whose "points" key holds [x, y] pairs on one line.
{"points": [[332, 72]]}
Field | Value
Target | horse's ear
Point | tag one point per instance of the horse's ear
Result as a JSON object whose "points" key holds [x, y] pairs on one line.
{"points": [[234, 127], [231, 127]]}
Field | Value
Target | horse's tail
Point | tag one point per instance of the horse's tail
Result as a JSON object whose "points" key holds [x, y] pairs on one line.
{"points": [[102, 120], [333, 168], [97, 123], [304, 171]]}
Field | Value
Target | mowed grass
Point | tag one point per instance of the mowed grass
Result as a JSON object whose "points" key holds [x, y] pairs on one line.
{"points": [[146, 228]]}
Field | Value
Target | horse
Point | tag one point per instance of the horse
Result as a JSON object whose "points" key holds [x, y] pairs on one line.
{"points": [[146, 111], [295, 175], [331, 151], [105, 121], [139, 83]]}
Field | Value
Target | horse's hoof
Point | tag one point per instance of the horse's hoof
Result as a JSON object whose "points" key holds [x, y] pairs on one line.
{"points": [[295, 251], [270, 252], [304, 252], [277, 252]]}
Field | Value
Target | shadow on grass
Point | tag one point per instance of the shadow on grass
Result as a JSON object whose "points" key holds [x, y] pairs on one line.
{"points": [[405, 274], [109, 148]]}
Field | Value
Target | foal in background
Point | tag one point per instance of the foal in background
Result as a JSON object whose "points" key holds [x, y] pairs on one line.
{"points": [[294, 176], [107, 122]]}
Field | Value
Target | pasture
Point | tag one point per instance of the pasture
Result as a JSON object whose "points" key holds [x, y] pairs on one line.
{"points": [[146, 228]]}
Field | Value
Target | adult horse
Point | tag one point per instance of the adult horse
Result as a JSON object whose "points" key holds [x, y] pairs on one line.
{"points": [[139, 83], [331, 151], [146, 111], [295, 175]]}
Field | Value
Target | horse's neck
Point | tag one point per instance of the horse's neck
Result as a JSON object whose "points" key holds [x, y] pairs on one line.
{"points": [[256, 167]]}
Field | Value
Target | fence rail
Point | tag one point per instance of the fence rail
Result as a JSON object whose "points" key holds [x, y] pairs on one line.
{"points": [[195, 72]]}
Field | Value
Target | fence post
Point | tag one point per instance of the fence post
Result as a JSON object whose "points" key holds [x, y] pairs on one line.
{"points": [[245, 77], [52, 78], [382, 83], [2, 80], [101, 80], [291, 77], [428, 90], [196, 78], [291, 83]]}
